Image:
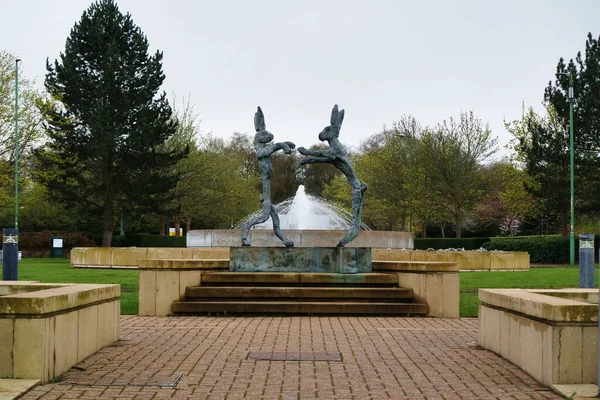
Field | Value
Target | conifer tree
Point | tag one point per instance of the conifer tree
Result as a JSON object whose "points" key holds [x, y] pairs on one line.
{"points": [[107, 121]]}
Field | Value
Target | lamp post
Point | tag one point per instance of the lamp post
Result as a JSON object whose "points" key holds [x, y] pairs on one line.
{"points": [[17, 61], [410, 179], [571, 99], [10, 238]]}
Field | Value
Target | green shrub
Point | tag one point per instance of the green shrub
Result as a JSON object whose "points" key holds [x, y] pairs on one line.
{"points": [[38, 244], [542, 249], [40, 241], [119, 241], [148, 240], [450, 243]]}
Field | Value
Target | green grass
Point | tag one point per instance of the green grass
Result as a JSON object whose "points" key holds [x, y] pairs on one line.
{"points": [[535, 278], [59, 270]]}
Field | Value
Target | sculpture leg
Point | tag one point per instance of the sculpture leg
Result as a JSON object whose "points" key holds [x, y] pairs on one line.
{"points": [[277, 229], [358, 191], [258, 219]]}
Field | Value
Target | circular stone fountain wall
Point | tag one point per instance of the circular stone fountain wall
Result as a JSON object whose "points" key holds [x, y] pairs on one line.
{"points": [[309, 222]]}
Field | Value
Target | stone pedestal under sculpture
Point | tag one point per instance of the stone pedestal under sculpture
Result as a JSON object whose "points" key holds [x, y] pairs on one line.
{"points": [[343, 260]]}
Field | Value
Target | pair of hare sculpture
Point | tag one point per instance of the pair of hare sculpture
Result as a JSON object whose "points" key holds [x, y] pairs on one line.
{"points": [[335, 154]]}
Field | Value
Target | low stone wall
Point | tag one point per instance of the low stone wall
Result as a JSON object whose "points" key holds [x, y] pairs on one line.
{"points": [[164, 281], [301, 238], [551, 334], [45, 329], [130, 257], [467, 260], [434, 283]]}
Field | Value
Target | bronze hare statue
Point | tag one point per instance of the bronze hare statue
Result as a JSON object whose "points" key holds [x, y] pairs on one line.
{"points": [[336, 154], [264, 150]]}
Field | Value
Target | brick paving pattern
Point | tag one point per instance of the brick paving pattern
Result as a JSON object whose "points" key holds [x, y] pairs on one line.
{"points": [[381, 358]]}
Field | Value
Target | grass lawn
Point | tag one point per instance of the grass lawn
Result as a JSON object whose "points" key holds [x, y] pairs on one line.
{"points": [[59, 270], [536, 278]]}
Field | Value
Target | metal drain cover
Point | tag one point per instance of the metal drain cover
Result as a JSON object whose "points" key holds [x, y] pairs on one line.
{"points": [[166, 381], [295, 356]]}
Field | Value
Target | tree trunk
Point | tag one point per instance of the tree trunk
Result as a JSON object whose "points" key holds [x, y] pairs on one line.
{"points": [[457, 223], [108, 226], [161, 225], [443, 229], [188, 224], [458, 229], [177, 226], [108, 214], [423, 230], [564, 219]]}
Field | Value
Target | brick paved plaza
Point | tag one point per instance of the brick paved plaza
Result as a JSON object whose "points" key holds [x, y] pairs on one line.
{"points": [[311, 357]]}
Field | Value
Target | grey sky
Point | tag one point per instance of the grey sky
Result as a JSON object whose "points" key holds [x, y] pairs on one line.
{"points": [[377, 59]]}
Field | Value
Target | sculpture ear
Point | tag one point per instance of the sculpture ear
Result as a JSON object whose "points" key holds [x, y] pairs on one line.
{"points": [[259, 120], [340, 119], [334, 115]]}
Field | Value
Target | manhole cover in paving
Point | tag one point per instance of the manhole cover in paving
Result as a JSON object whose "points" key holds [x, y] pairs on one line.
{"points": [[295, 356]]}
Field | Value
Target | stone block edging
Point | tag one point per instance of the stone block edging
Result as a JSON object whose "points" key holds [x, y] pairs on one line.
{"points": [[45, 329], [549, 333]]}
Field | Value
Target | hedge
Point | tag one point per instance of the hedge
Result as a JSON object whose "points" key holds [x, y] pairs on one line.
{"points": [[450, 243], [38, 244], [148, 240], [542, 249]]}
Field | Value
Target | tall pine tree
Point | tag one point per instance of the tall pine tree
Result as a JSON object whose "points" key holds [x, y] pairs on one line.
{"points": [[107, 122]]}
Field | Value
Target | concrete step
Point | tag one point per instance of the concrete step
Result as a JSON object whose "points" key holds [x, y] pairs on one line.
{"points": [[294, 307], [248, 292], [292, 278]]}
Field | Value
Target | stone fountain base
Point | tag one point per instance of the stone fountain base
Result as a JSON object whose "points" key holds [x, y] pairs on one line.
{"points": [[343, 260], [301, 238]]}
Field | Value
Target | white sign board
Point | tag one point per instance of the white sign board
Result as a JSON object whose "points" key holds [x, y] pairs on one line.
{"points": [[57, 243]]}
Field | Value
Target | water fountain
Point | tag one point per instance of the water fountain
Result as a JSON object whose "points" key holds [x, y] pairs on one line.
{"points": [[309, 221], [306, 212]]}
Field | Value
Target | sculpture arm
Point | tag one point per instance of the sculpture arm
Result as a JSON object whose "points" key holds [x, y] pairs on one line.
{"points": [[306, 160], [285, 146], [315, 153]]}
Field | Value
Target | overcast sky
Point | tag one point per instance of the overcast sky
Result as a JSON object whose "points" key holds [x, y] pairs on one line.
{"points": [[377, 59]]}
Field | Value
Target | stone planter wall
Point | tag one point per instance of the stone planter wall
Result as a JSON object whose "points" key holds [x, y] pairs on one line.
{"points": [[130, 257], [551, 334], [45, 329]]}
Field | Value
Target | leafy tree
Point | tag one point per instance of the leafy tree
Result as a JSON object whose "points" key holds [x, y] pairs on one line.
{"points": [[31, 132], [184, 139], [542, 147], [106, 121], [516, 202], [318, 175], [454, 152], [585, 71], [386, 202], [220, 191], [506, 204], [284, 182]]}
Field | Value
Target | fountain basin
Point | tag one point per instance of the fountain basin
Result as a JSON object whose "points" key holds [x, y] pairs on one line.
{"points": [[342, 260], [301, 238]]}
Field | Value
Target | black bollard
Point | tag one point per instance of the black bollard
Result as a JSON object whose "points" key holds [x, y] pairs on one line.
{"points": [[586, 260], [10, 254]]}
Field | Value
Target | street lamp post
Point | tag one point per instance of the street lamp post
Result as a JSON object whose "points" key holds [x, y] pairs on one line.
{"points": [[571, 99], [17, 61]]}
